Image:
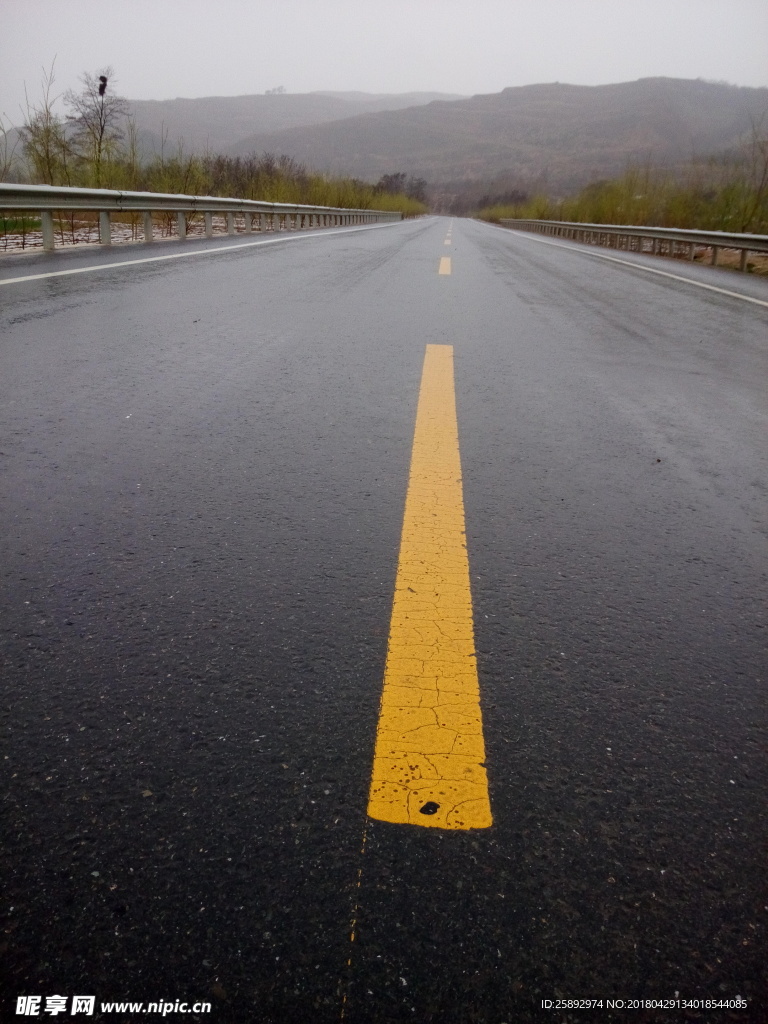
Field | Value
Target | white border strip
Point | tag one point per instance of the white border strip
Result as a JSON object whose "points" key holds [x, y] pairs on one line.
{"points": [[637, 266], [326, 233]]}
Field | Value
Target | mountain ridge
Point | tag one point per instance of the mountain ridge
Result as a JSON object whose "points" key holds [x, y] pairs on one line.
{"points": [[218, 123], [552, 135]]}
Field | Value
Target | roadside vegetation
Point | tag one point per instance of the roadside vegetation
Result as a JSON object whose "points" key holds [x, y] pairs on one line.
{"points": [[726, 193], [96, 145]]}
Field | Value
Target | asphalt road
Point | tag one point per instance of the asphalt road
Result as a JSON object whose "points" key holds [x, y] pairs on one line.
{"points": [[204, 467]]}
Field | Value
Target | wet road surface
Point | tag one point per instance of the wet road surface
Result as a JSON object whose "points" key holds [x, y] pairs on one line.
{"points": [[204, 468]]}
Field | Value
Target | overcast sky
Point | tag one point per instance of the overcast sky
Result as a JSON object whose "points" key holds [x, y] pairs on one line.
{"points": [[166, 48]]}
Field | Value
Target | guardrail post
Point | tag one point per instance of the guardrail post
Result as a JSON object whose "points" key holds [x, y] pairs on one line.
{"points": [[674, 243], [46, 222], [105, 227], [143, 207]]}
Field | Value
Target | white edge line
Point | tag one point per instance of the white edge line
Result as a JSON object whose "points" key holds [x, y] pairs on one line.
{"points": [[637, 266], [191, 252]]}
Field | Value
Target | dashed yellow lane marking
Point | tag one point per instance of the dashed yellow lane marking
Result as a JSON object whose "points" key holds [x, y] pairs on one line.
{"points": [[447, 241], [428, 766], [445, 265]]}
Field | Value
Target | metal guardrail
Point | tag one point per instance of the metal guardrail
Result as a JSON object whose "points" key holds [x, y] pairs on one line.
{"points": [[46, 199], [664, 241]]}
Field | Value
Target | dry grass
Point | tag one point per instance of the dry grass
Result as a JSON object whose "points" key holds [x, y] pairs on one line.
{"points": [[757, 263]]}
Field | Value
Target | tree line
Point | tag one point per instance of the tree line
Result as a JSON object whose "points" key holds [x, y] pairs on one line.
{"points": [[95, 144], [728, 192]]}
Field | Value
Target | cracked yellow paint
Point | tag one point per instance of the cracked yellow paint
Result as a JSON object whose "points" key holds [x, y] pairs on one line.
{"points": [[428, 766]]}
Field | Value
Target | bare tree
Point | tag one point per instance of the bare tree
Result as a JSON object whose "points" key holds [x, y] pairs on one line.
{"points": [[756, 159], [43, 135], [7, 153], [98, 115]]}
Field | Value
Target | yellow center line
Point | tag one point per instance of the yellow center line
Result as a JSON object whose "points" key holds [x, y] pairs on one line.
{"points": [[428, 766], [445, 265]]}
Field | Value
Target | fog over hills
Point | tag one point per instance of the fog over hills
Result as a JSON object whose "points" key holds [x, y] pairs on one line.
{"points": [[552, 136], [221, 123]]}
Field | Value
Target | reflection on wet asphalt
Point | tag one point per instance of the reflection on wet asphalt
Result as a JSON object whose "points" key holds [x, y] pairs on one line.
{"points": [[204, 470]]}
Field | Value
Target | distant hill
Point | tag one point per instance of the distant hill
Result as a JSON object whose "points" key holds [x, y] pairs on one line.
{"points": [[221, 123], [550, 137], [554, 136]]}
